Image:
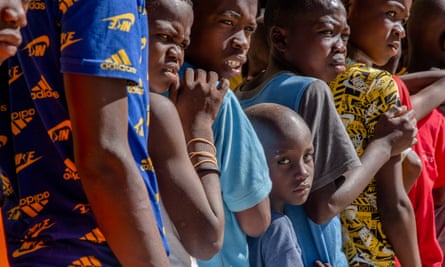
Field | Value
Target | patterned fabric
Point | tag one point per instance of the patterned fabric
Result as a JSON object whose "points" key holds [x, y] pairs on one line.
{"points": [[361, 94], [48, 220]]}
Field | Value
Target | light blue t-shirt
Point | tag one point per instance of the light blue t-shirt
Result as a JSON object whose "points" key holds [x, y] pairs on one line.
{"points": [[317, 242], [244, 177]]}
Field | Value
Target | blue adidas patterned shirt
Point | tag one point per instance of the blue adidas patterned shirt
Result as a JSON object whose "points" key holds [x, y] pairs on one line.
{"points": [[47, 217]]}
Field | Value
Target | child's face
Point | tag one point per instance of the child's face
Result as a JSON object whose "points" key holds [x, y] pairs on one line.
{"points": [[170, 25], [13, 17], [377, 27], [291, 167], [317, 43], [221, 35]]}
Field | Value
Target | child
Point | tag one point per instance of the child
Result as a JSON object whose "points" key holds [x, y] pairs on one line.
{"points": [[287, 143], [426, 43], [380, 223], [219, 42], [318, 50], [197, 211]]}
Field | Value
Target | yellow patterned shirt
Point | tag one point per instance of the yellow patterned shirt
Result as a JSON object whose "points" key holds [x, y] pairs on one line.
{"points": [[361, 94]]}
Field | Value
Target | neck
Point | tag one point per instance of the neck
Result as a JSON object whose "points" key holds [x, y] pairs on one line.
{"points": [[358, 55], [276, 205]]}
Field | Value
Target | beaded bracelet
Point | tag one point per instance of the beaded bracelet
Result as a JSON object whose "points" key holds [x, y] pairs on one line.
{"points": [[203, 140]]}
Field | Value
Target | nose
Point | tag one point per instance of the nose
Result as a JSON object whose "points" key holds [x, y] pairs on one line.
{"points": [[301, 171], [174, 53], [340, 45], [240, 41], [14, 15], [399, 31]]}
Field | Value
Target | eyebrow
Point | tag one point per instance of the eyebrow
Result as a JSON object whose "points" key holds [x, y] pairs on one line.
{"points": [[231, 13]]}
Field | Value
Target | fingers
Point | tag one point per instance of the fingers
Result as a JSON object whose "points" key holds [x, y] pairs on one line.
{"points": [[395, 112]]}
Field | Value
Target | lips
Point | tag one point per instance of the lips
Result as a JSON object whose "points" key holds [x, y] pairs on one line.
{"points": [[394, 45], [172, 68], [236, 61], [10, 37], [302, 186]]}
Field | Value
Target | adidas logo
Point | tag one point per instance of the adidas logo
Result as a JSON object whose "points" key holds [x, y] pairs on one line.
{"points": [[137, 89], [36, 5], [71, 172], [64, 5], [43, 90], [121, 23], [147, 165], [118, 62], [32, 205], [87, 261], [95, 236], [21, 119]]}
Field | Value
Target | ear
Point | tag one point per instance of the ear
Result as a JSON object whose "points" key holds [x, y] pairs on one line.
{"points": [[278, 38]]}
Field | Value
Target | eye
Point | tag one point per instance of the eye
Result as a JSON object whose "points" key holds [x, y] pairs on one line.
{"points": [[184, 45], [308, 157], [163, 37], [227, 22], [250, 29], [327, 32], [345, 37], [283, 161], [391, 14]]}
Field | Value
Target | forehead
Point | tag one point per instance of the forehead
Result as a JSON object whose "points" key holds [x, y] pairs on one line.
{"points": [[245, 8], [174, 10]]}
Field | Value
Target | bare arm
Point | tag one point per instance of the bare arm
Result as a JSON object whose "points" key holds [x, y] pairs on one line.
{"points": [[396, 213], [254, 221], [109, 174], [427, 89], [392, 135], [193, 202]]}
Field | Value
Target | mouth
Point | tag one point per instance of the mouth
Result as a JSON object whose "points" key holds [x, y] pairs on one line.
{"points": [[302, 188], [236, 62], [10, 37], [394, 46]]}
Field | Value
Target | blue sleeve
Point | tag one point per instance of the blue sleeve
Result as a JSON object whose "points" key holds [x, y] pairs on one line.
{"points": [[95, 34], [244, 173], [279, 246]]}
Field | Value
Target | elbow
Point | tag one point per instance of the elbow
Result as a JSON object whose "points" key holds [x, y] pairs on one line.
{"points": [[396, 213], [254, 221], [205, 245], [321, 216], [258, 228]]}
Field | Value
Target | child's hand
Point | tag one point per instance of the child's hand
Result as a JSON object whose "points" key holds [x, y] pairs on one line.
{"points": [[320, 264], [398, 128], [199, 98]]}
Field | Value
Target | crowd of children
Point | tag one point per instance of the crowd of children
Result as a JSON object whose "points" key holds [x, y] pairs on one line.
{"points": [[268, 133]]}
